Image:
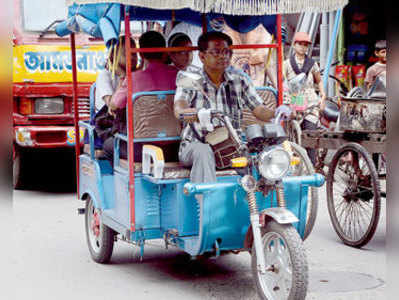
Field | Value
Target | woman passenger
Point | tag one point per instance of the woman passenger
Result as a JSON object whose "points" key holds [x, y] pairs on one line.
{"points": [[115, 70], [107, 82]]}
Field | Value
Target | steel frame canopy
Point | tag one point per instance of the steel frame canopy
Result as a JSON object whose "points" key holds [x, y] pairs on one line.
{"points": [[101, 18]]}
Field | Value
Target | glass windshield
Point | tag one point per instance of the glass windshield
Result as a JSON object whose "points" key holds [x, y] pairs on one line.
{"points": [[38, 14]]}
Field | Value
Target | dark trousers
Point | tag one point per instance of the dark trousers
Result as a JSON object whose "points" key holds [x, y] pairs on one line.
{"points": [[307, 125], [108, 148]]}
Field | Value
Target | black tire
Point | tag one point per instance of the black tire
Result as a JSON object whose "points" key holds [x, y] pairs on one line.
{"points": [[306, 168], [353, 171], [295, 261], [18, 168], [100, 243]]}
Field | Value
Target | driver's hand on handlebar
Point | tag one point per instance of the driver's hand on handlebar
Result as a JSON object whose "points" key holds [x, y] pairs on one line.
{"points": [[285, 111]]}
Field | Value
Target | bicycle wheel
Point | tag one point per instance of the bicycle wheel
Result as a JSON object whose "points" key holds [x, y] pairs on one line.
{"points": [[305, 167], [353, 195]]}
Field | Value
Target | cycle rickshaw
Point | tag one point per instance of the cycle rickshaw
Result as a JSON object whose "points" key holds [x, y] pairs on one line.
{"points": [[358, 168], [254, 206]]}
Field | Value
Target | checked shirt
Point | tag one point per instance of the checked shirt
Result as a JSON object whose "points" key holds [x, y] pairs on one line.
{"points": [[233, 95]]}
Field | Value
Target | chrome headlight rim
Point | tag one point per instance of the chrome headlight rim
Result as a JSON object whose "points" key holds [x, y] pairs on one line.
{"points": [[264, 167]]}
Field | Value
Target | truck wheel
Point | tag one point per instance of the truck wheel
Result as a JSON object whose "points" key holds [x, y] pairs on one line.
{"points": [[18, 168], [100, 238], [286, 264]]}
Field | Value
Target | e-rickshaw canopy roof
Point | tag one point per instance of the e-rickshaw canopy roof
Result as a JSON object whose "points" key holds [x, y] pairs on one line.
{"points": [[232, 7], [102, 19]]}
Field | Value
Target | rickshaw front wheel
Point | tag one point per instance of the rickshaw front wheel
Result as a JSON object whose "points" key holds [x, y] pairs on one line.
{"points": [[100, 238], [286, 264]]}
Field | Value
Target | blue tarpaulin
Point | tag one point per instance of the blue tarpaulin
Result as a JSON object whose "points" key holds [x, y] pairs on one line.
{"points": [[103, 20]]}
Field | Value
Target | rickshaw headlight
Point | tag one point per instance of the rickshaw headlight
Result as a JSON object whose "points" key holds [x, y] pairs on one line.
{"points": [[274, 163], [49, 106]]}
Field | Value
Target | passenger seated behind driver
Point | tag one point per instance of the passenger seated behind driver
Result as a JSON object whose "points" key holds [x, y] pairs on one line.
{"points": [[155, 76], [114, 71], [182, 59], [228, 90], [106, 84]]}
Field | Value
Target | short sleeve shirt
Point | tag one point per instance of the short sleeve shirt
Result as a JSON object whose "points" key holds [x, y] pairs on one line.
{"points": [[234, 94], [105, 86], [374, 71], [156, 77]]}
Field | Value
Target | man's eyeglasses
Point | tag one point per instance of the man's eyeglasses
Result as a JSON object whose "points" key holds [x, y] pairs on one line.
{"points": [[218, 52]]}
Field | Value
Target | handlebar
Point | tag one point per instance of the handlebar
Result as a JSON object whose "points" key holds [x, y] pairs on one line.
{"points": [[214, 114]]}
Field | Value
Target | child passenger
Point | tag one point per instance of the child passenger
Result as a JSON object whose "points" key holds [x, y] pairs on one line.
{"points": [[380, 66]]}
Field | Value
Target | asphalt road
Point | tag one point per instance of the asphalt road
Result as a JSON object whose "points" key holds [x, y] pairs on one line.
{"points": [[50, 259]]}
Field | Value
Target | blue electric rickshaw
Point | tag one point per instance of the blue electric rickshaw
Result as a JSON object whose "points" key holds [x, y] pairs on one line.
{"points": [[257, 204]]}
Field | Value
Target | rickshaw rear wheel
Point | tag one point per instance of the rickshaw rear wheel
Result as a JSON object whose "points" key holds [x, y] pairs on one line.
{"points": [[306, 168], [286, 264], [100, 238], [353, 195]]}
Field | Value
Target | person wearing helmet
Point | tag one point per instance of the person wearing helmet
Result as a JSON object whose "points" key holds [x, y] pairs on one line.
{"points": [[299, 65]]}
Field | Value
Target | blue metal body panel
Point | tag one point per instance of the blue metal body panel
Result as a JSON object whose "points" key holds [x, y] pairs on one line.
{"points": [[208, 214], [90, 182]]}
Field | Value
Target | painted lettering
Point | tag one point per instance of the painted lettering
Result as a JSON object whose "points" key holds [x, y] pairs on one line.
{"points": [[60, 61]]}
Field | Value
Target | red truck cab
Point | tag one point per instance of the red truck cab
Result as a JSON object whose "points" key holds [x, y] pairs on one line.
{"points": [[42, 80]]}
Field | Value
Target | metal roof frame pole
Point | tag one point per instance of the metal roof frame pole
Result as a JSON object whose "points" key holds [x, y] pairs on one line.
{"points": [[204, 23], [76, 108], [333, 41], [130, 119], [332, 33], [323, 41], [279, 59]]}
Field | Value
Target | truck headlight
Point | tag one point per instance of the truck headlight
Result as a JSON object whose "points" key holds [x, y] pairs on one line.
{"points": [[49, 106], [274, 163]]}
